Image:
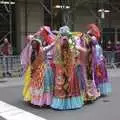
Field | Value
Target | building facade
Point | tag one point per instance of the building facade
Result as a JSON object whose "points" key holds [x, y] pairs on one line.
{"points": [[29, 15]]}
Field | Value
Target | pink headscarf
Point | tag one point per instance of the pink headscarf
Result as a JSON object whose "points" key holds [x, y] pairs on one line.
{"points": [[47, 34]]}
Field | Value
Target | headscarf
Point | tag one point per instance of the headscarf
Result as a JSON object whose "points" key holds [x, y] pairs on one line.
{"points": [[65, 31], [47, 34], [94, 30]]}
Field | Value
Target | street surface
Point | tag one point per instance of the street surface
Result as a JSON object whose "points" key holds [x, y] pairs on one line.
{"points": [[12, 106]]}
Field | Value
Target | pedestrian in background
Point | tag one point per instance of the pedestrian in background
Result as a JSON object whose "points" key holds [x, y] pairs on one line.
{"points": [[6, 51]]}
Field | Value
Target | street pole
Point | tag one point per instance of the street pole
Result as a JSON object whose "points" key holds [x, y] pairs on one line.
{"points": [[26, 18], [102, 21], [10, 20], [52, 13], [102, 26]]}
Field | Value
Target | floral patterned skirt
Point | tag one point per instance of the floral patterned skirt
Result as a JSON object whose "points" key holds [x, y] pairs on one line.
{"points": [[66, 90], [101, 79], [42, 85]]}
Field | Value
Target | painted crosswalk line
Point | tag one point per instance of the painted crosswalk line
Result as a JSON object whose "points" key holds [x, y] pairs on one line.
{"points": [[10, 112]]}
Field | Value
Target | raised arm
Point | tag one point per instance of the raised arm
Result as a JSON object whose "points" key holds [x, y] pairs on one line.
{"points": [[49, 47]]}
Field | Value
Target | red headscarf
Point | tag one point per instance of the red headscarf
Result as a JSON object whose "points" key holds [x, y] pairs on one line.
{"points": [[47, 34], [94, 30]]}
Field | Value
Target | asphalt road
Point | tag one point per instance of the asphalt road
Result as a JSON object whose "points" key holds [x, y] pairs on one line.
{"points": [[107, 108]]}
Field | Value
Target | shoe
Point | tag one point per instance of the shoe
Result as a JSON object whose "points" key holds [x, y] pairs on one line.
{"points": [[10, 75]]}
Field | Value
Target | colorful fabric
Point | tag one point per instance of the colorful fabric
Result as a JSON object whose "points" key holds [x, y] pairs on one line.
{"points": [[25, 55], [67, 87], [66, 91], [41, 83], [81, 76], [91, 91], [68, 103], [94, 30], [105, 88], [65, 77], [26, 89], [39, 78], [42, 77], [100, 71], [47, 34]]}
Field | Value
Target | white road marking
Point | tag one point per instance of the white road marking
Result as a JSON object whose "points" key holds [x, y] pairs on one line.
{"points": [[10, 112]]}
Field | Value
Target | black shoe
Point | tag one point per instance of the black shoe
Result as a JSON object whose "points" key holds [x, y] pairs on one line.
{"points": [[10, 75]]}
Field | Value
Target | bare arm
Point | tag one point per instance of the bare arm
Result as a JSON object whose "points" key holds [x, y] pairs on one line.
{"points": [[49, 47], [79, 47]]}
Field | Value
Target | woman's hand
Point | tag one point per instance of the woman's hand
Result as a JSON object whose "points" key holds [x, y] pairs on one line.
{"points": [[81, 49]]}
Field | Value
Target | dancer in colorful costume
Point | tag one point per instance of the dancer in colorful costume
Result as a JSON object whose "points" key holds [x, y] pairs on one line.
{"points": [[67, 87], [26, 64], [100, 74], [39, 75], [42, 73], [80, 62], [91, 92]]}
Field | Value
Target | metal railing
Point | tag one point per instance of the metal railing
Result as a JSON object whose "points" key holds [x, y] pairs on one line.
{"points": [[10, 64], [112, 58]]}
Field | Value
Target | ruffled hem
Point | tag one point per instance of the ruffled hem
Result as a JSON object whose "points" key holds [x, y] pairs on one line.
{"points": [[27, 98], [91, 98], [105, 89], [67, 104], [26, 95], [45, 99]]}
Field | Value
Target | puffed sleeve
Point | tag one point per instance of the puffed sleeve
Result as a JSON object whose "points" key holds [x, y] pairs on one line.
{"points": [[77, 43]]}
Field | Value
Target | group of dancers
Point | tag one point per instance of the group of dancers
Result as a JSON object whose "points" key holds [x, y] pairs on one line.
{"points": [[64, 70]]}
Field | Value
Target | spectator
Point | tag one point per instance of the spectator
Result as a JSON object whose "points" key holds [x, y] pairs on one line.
{"points": [[6, 51], [110, 54], [117, 47], [109, 46], [117, 53]]}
